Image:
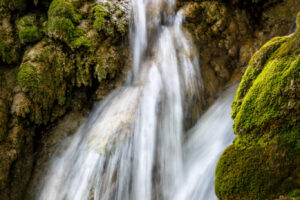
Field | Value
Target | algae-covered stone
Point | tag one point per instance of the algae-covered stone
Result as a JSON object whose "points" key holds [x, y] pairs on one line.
{"points": [[263, 162]]}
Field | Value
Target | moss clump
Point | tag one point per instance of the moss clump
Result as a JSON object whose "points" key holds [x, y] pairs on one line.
{"points": [[27, 77], [263, 161], [100, 12], [64, 9], [61, 28], [255, 67], [259, 167], [63, 18], [30, 34], [29, 31]]}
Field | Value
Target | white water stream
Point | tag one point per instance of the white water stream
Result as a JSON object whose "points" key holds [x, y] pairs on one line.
{"points": [[131, 147]]}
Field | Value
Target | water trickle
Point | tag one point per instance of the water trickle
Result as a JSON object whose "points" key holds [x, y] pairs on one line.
{"points": [[131, 146]]}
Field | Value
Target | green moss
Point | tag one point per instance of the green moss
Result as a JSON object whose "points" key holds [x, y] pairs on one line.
{"points": [[27, 77], [29, 31], [109, 19], [263, 161], [63, 9], [30, 34], [81, 42], [269, 94], [63, 18], [257, 172], [100, 12], [254, 68], [27, 20], [61, 28]]}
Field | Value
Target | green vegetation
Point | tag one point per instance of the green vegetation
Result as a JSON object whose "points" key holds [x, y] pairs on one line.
{"points": [[42, 76], [29, 31], [263, 161], [100, 12], [105, 22], [63, 18]]}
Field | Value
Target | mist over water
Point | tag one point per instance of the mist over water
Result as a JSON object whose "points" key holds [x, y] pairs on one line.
{"points": [[131, 146]]}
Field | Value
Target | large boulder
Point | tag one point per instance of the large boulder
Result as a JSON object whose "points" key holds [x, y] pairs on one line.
{"points": [[263, 161]]}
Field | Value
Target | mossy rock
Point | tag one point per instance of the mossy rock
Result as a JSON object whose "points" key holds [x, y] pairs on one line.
{"points": [[45, 76], [110, 19], [62, 24], [29, 29], [263, 162], [63, 9]]}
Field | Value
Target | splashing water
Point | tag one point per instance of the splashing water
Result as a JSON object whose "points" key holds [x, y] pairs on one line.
{"points": [[131, 147]]}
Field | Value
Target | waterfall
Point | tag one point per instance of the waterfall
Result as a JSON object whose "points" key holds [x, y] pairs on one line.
{"points": [[131, 146]]}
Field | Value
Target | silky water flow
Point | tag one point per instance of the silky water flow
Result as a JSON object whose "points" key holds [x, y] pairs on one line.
{"points": [[131, 146]]}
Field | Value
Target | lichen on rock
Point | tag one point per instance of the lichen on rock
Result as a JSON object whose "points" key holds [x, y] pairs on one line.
{"points": [[263, 161]]}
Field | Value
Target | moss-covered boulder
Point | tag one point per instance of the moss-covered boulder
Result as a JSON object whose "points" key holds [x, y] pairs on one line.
{"points": [[263, 161]]}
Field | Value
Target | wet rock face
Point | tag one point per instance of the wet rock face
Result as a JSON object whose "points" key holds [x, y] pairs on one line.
{"points": [[263, 161]]}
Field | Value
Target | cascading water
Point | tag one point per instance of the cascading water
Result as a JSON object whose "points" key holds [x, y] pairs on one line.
{"points": [[131, 147]]}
